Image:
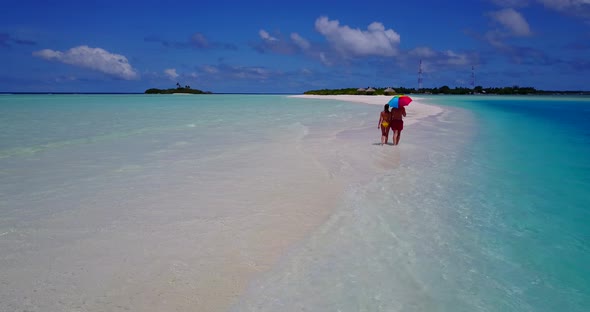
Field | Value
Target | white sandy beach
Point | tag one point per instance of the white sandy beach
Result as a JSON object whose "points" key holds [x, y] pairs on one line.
{"points": [[416, 110]]}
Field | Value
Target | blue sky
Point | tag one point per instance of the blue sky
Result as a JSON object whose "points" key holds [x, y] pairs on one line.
{"points": [[291, 47]]}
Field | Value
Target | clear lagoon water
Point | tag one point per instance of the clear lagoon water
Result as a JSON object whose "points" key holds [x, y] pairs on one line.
{"points": [[143, 202]]}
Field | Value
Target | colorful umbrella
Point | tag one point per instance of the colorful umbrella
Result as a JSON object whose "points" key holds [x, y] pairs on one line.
{"points": [[399, 100]]}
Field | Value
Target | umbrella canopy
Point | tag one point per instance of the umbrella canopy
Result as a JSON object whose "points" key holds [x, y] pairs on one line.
{"points": [[399, 101]]}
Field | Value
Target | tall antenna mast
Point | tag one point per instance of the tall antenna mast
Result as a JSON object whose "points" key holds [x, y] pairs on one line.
{"points": [[472, 77], [420, 76]]}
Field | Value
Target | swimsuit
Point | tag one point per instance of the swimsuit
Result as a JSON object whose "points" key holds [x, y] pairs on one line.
{"points": [[384, 129], [385, 124], [397, 124]]}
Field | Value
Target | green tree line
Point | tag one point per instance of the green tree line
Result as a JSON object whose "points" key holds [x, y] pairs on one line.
{"points": [[514, 90], [178, 89]]}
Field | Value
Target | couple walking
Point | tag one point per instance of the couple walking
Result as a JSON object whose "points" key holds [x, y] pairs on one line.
{"points": [[391, 120]]}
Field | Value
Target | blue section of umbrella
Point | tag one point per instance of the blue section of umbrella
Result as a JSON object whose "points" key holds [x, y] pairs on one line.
{"points": [[399, 100]]}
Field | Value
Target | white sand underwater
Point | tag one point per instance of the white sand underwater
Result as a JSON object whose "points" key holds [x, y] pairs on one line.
{"points": [[177, 220]]}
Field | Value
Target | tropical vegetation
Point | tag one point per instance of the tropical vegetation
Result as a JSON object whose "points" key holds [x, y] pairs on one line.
{"points": [[179, 89], [514, 90]]}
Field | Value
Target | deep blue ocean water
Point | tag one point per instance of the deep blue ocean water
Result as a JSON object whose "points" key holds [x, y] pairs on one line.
{"points": [[526, 178]]}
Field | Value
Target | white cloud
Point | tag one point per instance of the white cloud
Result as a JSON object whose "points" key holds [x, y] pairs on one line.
{"points": [[376, 40], [300, 41], [422, 52], [248, 72], [210, 69], [171, 72], [453, 58], [563, 4], [199, 40], [324, 59], [260, 71], [554, 4], [495, 39], [266, 36], [433, 60], [427, 67], [92, 58], [580, 8], [513, 21], [511, 3], [48, 54]]}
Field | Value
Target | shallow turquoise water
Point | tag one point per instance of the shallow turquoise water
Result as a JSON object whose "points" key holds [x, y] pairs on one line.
{"points": [[482, 208], [488, 211]]}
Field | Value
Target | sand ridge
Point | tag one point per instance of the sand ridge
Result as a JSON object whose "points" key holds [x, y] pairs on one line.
{"points": [[417, 110]]}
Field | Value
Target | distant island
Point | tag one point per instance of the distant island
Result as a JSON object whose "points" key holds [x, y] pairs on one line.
{"points": [[514, 90], [179, 89]]}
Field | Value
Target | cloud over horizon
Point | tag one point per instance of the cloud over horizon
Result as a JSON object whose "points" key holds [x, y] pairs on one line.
{"points": [[97, 59], [511, 24], [301, 42], [511, 3], [223, 71], [438, 60], [577, 8], [266, 36], [252, 48], [375, 41], [512, 21], [278, 44], [196, 41], [171, 73]]}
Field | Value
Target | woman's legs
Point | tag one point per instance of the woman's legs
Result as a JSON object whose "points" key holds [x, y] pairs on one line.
{"points": [[384, 135]]}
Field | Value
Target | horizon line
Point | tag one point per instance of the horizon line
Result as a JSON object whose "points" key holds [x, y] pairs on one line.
{"points": [[260, 93]]}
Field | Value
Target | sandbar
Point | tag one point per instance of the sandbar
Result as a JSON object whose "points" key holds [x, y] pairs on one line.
{"points": [[417, 109]]}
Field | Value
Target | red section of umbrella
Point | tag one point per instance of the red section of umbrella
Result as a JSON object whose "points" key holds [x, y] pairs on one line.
{"points": [[404, 100]]}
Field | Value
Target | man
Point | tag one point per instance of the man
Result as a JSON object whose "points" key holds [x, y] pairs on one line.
{"points": [[396, 122]]}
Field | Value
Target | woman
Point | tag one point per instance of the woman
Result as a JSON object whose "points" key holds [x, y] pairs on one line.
{"points": [[384, 119], [397, 123]]}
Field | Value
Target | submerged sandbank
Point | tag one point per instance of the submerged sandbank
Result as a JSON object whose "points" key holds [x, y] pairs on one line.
{"points": [[177, 218], [373, 252]]}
